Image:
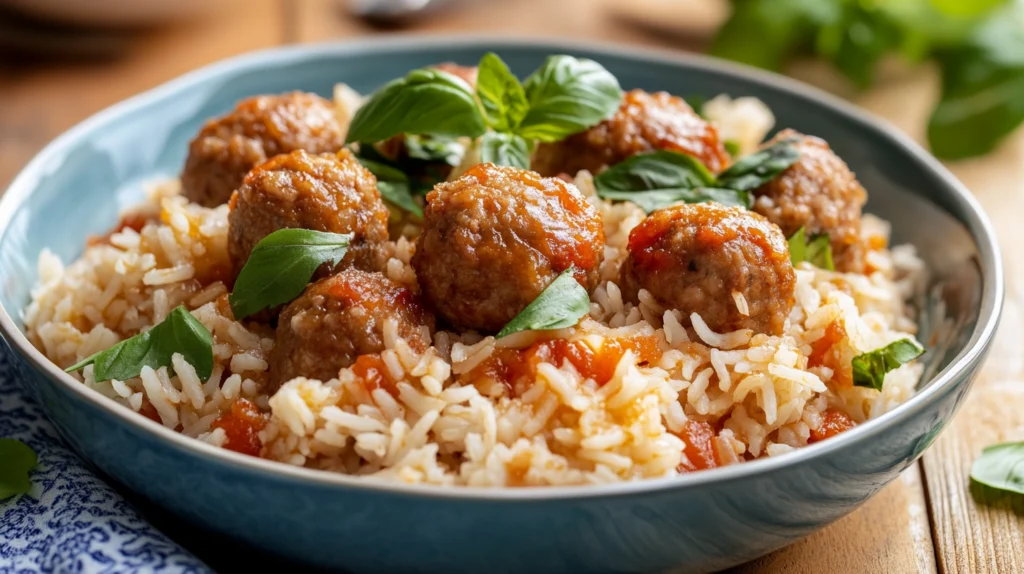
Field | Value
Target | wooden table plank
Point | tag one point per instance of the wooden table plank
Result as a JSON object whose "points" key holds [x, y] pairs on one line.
{"points": [[41, 99], [891, 531]]}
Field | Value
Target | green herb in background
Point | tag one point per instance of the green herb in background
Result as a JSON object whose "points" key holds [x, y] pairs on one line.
{"points": [[17, 459], [280, 267], [447, 150], [869, 369], [817, 250], [505, 149], [180, 333], [1000, 466], [393, 185], [561, 304], [978, 45]]}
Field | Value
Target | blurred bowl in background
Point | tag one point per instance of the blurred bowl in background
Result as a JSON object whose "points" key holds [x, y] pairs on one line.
{"points": [[112, 13]]}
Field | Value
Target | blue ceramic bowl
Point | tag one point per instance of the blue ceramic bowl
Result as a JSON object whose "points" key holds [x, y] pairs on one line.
{"points": [[697, 522]]}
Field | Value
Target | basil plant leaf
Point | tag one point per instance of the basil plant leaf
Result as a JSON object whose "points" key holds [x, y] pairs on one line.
{"points": [[281, 265], [501, 95], [869, 369], [1000, 466], [17, 459], [393, 185], [180, 333], [505, 149], [754, 170], [662, 169], [817, 251], [560, 305], [425, 101], [568, 95], [982, 94], [656, 199], [443, 149]]}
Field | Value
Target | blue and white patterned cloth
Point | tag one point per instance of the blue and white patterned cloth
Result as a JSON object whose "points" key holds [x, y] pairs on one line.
{"points": [[72, 521]]}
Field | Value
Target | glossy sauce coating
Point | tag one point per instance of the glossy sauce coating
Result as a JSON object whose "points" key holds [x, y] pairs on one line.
{"points": [[256, 130], [329, 192], [820, 194], [339, 318], [493, 239], [643, 123], [695, 257]]}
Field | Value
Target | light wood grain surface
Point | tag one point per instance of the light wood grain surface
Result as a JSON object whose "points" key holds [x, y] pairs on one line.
{"points": [[926, 521]]}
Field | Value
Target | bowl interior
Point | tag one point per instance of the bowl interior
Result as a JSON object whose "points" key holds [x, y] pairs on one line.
{"points": [[79, 184]]}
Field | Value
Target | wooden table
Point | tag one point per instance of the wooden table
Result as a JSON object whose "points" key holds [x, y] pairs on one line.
{"points": [[926, 521]]}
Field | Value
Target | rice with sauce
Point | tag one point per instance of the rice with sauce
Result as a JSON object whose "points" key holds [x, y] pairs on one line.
{"points": [[628, 393]]}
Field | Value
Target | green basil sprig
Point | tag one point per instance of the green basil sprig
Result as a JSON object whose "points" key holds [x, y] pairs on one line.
{"points": [[17, 459], [505, 149], [560, 305], [281, 265], [869, 369], [430, 149], [180, 332], [425, 101], [564, 96], [1000, 466], [754, 170], [817, 250], [393, 185]]}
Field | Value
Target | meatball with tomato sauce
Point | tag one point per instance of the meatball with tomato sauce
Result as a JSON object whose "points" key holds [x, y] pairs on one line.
{"points": [[256, 130], [729, 265], [643, 123], [329, 192], [496, 237], [820, 194], [339, 318]]}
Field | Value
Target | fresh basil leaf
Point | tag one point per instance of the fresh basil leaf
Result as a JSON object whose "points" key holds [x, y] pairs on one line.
{"points": [[765, 33], [732, 147], [501, 95], [425, 101], [568, 95], [505, 149], [754, 170], [1000, 466], [982, 97], [393, 185], [447, 150], [817, 251], [869, 369], [662, 169], [560, 305], [17, 459], [656, 199], [281, 265], [180, 333]]}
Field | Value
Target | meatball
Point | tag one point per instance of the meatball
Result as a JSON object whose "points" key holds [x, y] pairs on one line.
{"points": [[701, 258], [820, 194], [340, 318], [643, 123], [496, 237], [258, 129], [327, 192]]}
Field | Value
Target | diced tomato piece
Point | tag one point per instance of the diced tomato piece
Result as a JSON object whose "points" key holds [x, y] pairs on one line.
{"points": [[242, 425], [374, 373], [698, 436], [833, 422]]}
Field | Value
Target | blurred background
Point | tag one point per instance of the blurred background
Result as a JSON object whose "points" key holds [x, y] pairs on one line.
{"points": [[950, 73]]}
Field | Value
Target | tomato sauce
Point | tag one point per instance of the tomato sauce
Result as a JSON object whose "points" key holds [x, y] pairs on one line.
{"points": [[134, 221], [698, 436], [242, 425], [510, 365], [374, 373], [833, 422]]}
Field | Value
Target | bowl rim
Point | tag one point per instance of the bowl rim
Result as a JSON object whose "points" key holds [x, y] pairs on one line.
{"points": [[975, 220]]}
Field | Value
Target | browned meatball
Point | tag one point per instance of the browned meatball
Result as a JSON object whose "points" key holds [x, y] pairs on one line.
{"points": [[820, 194], [340, 318], [496, 237], [644, 123], [258, 129], [327, 192], [695, 257]]}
